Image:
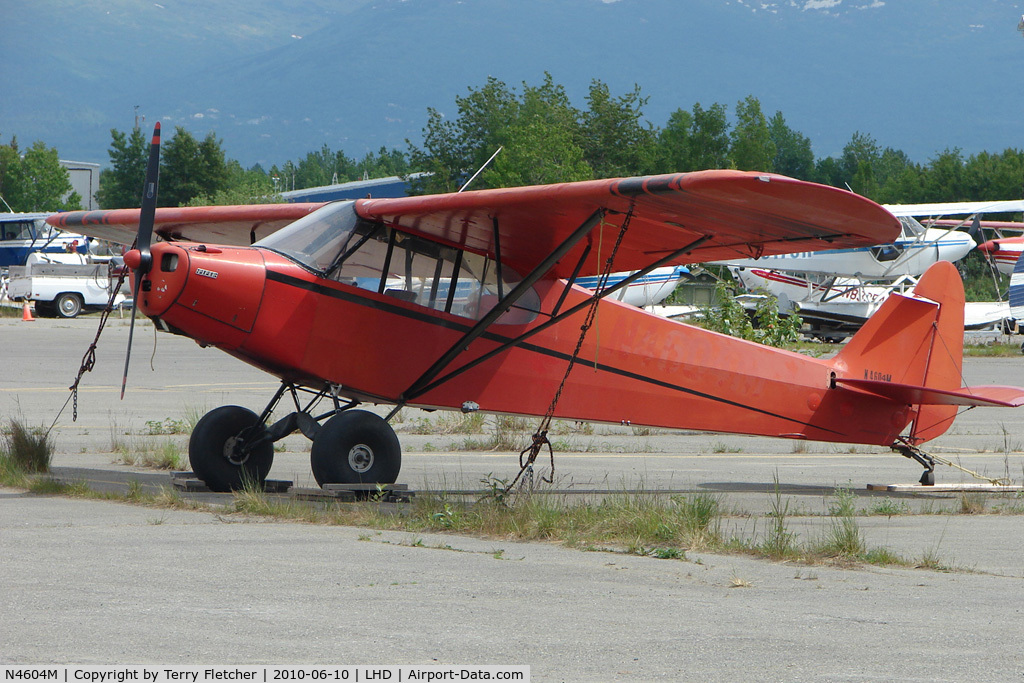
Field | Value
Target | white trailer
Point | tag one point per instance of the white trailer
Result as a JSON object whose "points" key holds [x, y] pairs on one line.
{"points": [[62, 285]]}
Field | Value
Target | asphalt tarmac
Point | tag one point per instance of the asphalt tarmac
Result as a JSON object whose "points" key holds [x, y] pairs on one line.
{"points": [[95, 582]]}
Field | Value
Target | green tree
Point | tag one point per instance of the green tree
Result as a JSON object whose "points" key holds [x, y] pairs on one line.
{"points": [[121, 184], [540, 143], [861, 149], [385, 163], [863, 181], [944, 178], [36, 181], [751, 147], [441, 157], [898, 178], [709, 138], [995, 176], [827, 171], [763, 325], [9, 160], [455, 149], [495, 116], [323, 168], [615, 139], [673, 154], [244, 186], [190, 168], [540, 155], [793, 154]]}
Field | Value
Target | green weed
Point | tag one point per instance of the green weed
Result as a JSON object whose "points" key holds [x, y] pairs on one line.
{"points": [[26, 450]]}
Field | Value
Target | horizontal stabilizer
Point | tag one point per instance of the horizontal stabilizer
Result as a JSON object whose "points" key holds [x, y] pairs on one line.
{"points": [[1007, 397]]}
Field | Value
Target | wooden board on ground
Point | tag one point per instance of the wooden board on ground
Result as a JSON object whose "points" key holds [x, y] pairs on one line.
{"points": [[190, 483], [946, 488]]}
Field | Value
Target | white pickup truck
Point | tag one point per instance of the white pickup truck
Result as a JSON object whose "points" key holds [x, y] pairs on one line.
{"points": [[62, 285]]}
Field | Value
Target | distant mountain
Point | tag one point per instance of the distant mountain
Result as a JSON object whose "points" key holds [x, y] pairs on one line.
{"points": [[277, 80]]}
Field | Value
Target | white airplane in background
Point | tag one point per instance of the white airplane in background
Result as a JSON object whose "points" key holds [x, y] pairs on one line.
{"points": [[1001, 252], [838, 308], [648, 290], [910, 255], [835, 291]]}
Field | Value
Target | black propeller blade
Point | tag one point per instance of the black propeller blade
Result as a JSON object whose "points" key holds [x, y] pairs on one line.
{"points": [[144, 260], [975, 230]]}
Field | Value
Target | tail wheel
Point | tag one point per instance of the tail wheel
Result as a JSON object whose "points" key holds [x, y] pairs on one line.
{"points": [[226, 449], [356, 447]]}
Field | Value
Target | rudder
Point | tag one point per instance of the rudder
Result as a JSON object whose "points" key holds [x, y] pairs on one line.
{"points": [[915, 340]]}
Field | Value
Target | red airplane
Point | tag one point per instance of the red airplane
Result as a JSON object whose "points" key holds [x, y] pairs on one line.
{"points": [[1003, 252], [466, 301]]}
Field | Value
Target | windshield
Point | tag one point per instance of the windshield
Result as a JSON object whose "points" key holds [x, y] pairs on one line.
{"points": [[912, 229], [336, 243], [316, 240]]}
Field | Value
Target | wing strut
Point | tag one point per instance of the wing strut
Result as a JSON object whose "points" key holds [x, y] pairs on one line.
{"points": [[555, 319], [503, 305]]}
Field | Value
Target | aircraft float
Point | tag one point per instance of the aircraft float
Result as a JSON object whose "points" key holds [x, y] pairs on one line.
{"points": [[469, 301]]}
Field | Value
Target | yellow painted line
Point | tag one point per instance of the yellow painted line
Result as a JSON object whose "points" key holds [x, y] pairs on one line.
{"points": [[108, 387], [52, 390]]}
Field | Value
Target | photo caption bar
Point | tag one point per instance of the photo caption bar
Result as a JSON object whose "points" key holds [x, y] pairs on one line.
{"points": [[150, 673]]}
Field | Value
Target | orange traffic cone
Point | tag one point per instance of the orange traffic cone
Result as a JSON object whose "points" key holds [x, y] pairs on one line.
{"points": [[26, 314]]}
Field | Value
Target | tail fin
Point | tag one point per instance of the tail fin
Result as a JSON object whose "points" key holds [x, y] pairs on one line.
{"points": [[1017, 290], [913, 342]]}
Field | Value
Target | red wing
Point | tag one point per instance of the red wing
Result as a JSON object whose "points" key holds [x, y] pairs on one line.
{"points": [[743, 213], [229, 225]]}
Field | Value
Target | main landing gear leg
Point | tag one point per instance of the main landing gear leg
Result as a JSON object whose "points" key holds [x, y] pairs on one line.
{"points": [[908, 451], [231, 445]]}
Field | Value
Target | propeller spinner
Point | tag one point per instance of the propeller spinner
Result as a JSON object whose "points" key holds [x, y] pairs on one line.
{"points": [[139, 258]]}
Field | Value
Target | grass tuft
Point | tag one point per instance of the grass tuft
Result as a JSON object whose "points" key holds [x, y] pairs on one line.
{"points": [[26, 451], [161, 454], [972, 503], [780, 542], [843, 538]]}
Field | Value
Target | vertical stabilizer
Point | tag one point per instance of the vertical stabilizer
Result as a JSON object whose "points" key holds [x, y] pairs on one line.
{"points": [[1017, 290], [915, 340]]}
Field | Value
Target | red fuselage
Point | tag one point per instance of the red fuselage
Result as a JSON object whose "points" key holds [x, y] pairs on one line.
{"points": [[634, 367]]}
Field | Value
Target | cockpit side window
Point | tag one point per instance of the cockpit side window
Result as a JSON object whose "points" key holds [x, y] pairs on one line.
{"points": [[440, 277], [911, 230], [17, 230], [887, 252], [336, 243]]}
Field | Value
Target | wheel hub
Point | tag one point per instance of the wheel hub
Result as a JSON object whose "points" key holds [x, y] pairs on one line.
{"points": [[234, 451], [360, 458]]}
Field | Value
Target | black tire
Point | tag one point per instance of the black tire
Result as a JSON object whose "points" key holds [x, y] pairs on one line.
{"points": [[216, 454], [46, 309], [68, 305], [356, 447]]}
